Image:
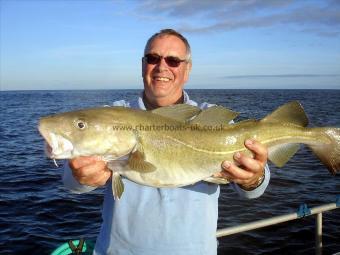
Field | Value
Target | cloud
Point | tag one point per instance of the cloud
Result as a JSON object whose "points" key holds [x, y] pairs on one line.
{"points": [[280, 76], [318, 17]]}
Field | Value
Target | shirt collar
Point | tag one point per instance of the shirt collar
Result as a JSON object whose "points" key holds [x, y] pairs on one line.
{"points": [[187, 100]]}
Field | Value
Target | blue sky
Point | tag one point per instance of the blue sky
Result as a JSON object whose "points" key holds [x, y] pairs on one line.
{"points": [[85, 44]]}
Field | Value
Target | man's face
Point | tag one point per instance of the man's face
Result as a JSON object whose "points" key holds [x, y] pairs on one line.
{"points": [[163, 83]]}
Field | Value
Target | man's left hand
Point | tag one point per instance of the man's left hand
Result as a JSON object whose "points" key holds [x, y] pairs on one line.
{"points": [[248, 170]]}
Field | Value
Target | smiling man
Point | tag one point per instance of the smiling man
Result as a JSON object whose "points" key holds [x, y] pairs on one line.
{"points": [[166, 68], [176, 221]]}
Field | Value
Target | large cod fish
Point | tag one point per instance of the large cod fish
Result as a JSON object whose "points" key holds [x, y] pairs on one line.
{"points": [[180, 145]]}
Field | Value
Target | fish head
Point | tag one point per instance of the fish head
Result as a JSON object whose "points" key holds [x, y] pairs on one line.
{"points": [[85, 133]]}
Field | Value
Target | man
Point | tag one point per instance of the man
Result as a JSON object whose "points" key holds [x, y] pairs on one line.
{"points": [[165, 221]]}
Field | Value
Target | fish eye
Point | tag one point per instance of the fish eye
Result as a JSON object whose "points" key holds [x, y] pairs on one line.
{"points": [[80, 124]]}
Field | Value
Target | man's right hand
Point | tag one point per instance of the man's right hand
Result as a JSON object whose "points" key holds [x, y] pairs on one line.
{"points": [[90, 171]]}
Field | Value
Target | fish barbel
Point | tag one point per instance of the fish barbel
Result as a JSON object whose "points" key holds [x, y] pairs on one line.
{"points": [[180, 145]]}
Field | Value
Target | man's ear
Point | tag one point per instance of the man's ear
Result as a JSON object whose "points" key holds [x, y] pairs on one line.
{"points": [[187, 71], [189, 66]]}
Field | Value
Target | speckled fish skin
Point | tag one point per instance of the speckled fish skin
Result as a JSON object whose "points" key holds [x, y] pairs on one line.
{"points": [[156, 148]]}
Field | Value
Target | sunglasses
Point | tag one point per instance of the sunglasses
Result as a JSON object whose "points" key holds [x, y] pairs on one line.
{"points": [[154, 59]]}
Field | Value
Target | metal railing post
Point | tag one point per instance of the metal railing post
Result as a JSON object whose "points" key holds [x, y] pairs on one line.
{"points": [[302, 212], [318, 234]]}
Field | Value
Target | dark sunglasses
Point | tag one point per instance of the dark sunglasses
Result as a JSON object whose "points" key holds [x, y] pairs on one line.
{"points": [[154, 59]]}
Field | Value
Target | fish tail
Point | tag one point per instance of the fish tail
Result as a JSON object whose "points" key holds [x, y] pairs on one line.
{"points": [[328, 151]]}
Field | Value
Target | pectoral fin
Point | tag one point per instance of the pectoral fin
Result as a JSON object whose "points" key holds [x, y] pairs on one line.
{"points": [[138, 163], [217, 180], [117, 186]]}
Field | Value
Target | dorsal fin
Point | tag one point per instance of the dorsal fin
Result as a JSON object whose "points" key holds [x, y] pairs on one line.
{"points": [[179, 112], [291, 112], [215, 115]]}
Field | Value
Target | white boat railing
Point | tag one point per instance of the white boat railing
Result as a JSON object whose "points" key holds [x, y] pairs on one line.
{"points": [[303, 211]]}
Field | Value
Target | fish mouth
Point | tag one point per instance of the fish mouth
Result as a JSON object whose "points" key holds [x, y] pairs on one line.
{"points": [[60, 147], [48, 150], [56, 146]]}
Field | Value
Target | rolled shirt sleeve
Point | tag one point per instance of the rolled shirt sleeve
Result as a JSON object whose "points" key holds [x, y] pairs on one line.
{"points": [[255, 193]]}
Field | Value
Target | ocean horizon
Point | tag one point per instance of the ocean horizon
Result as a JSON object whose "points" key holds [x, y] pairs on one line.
{"points": [[38, 214]]}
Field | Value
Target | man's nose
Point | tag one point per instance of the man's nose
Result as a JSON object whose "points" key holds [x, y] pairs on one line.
{"points": [[162, 65]]}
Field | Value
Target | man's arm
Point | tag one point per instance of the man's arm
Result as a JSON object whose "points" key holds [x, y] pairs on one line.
{"points": [[84, 174]]}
